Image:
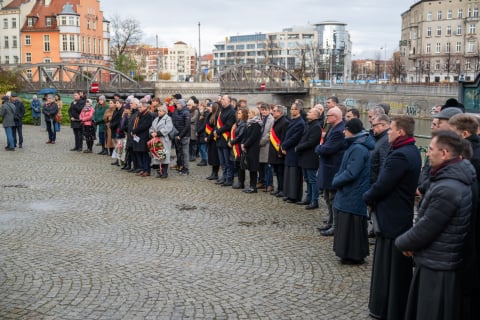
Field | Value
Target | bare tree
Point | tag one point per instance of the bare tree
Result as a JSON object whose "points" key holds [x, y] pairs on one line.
{"points": [[125, 32], [397, 70]]}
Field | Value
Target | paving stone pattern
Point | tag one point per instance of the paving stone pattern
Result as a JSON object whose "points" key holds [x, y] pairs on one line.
{"points": [[82, 239]]}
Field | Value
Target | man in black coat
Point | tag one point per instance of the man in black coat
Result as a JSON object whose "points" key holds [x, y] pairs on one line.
{"points": [[466, 126], [74, 113], [436, 241], [307, 159], [225, 122], [181, 121], [275, 156], [331, 154], [392, 199], [19, 113]]}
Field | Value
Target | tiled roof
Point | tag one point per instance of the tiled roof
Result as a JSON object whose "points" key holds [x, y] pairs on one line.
{"points": [[15, 4], [41, 11]]}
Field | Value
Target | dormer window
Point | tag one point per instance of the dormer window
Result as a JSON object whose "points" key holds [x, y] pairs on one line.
{"points": [[63, 20], [49, 21], [30, 22]]}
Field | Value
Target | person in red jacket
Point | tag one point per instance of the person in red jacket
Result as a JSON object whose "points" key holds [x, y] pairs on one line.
{"points": [[88, 129]]}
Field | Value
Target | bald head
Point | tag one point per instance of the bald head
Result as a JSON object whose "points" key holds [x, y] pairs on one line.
{"points": [[334, 116]]}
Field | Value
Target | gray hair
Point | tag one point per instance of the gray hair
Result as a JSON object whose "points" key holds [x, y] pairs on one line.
{"points": [[282, 109], [50, 96], [135, 101], [102, 97], [377, 110], [383, 117], [162, 108]]}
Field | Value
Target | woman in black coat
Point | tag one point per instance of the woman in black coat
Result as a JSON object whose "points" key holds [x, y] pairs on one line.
{"points": [[140, 136], [251, 145], [236, 138], [211, 123]]}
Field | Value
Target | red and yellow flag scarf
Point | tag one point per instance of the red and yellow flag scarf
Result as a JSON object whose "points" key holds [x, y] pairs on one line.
{"points": [[275, 140], [226, 135], [235, 147]]}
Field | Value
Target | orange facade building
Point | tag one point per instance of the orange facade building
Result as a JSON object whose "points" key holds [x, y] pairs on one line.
{"points": [[65, 31]]}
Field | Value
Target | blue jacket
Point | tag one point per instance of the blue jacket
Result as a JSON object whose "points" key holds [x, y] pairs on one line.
{"points": [[353, 177], [331, 153], [292, 138], [36, 108], [393, 194]]}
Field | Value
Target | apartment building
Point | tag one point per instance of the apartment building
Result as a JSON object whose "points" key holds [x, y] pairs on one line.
{"points": [[319, 51], [440, 41]]}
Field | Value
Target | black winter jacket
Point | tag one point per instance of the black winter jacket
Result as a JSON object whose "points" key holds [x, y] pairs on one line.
{"points": [[437, 238], [181, 121]]}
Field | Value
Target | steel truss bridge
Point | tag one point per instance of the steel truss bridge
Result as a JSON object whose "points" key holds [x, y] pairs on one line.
{"points": [[260, 78], [69, 77]]}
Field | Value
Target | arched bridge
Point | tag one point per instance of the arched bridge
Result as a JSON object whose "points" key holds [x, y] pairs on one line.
{"points": [[68, 77], [260, 78]]}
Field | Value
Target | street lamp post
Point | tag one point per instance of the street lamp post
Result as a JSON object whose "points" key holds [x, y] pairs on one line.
{"points": [[385, 63]]}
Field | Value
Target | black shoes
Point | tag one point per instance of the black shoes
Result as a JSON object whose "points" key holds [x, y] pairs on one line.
{"points": [[250, 190], [303, 203], [311, 206], [238, 185], [213, 176], [202, 163], [227, 184], [324, 227], [220, 181], [328, 233]]}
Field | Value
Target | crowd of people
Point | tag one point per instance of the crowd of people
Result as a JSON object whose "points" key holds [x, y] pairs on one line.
{"points": [[370, 179]]}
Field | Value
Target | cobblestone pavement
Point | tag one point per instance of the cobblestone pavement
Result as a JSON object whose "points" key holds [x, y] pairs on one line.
{"points": [[81, 239]]}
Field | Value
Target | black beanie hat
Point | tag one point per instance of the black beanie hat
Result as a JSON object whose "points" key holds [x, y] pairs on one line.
{"points": [[354, 125]]}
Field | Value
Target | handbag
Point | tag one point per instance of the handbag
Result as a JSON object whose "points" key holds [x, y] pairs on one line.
{"points": [[58, 117], [173, 133], [243, 161]]}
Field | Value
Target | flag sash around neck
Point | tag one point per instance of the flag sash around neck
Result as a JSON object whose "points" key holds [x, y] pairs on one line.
{"points": [[235, 147], [275, 140], [226, 135], [209, 130]]}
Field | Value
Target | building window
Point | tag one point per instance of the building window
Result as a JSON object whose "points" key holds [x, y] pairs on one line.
{"points": [[467, 65], [15, 59], [46, 43], [447, 47], [14, 42], [437, 65], [471, 46], [48, 21], [5, 23], [458, 47], [29, 74], [5, 42], [94, 46], [64, 42], [438, 47], [428, 48], [439, 31], [439, 15], [449, 30], [475, 12], [240, 47], [71, 21], [460, 13], [449, 14], [429, 31], [83, 44], [14, 23], [30, 22], [28, 40], [459, 30], [63, 20], [472, 29], [7, 60], [469, 14], [72, 43], [429, 16], [28, 57]]}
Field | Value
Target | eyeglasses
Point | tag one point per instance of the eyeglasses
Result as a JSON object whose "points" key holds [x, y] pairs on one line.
{"points": [[377, 124], [330, 115]]}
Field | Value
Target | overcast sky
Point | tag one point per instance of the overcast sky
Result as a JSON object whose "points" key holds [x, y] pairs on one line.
{"points": [[371, 23]]}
